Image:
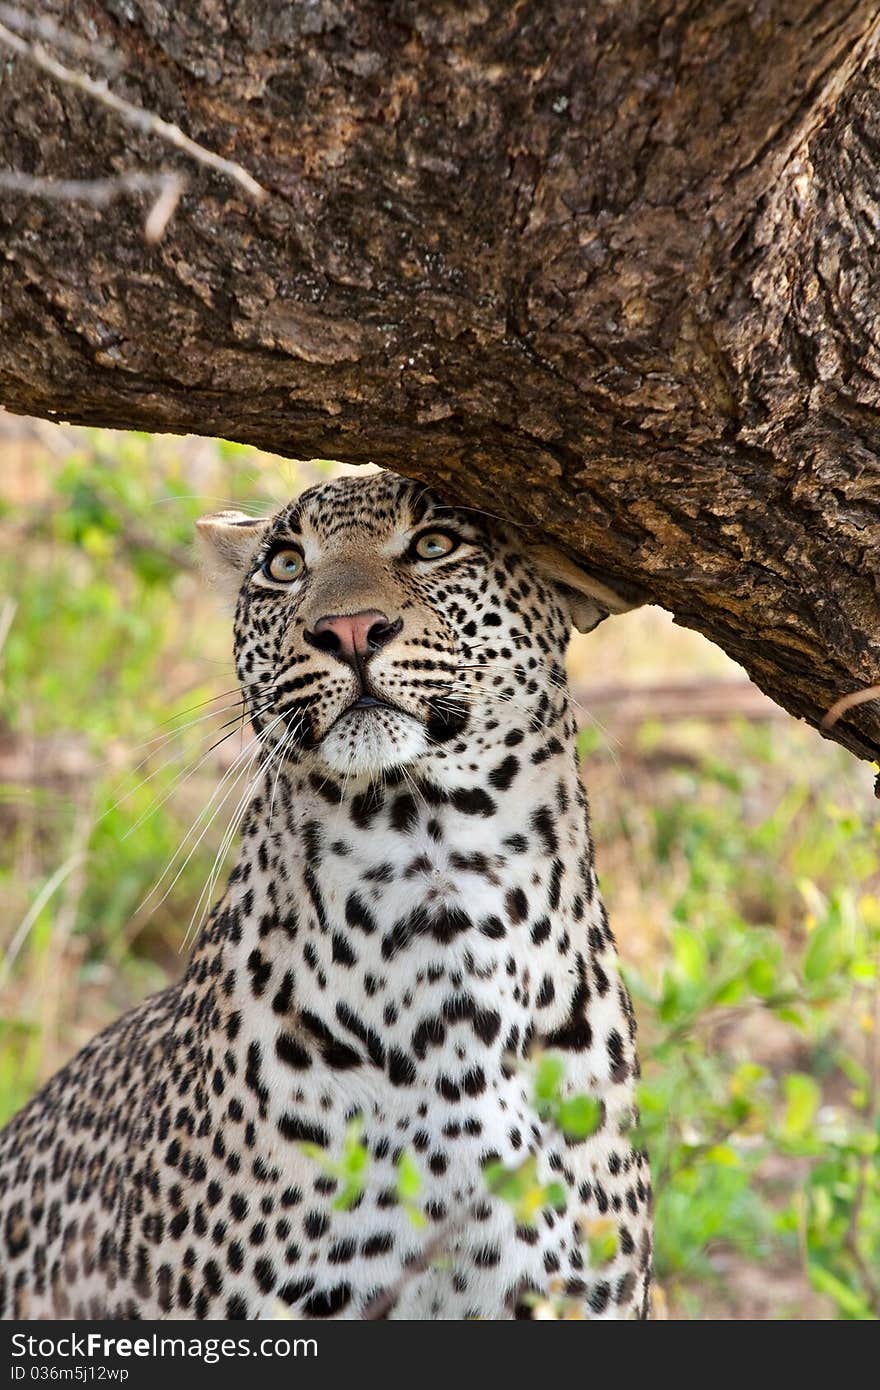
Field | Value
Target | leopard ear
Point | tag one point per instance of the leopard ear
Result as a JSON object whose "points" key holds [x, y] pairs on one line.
{"points": [[589, 601], [226, 543]]}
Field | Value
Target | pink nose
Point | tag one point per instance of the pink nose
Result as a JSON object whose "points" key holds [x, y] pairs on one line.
{"points": [[353, 636]]}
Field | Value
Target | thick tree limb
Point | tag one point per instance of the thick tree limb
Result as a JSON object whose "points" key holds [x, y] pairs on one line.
{"points": [[611, 270]]}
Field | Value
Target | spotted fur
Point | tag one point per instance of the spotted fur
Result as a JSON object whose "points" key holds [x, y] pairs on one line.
{"points": [[413, 913]]}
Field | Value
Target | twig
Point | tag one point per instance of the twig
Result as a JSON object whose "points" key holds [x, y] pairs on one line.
{"points": [[439, 1244], [45, 28], [436, 1246], [167, 189], [137, 116], [666, 700], [847, 702]]}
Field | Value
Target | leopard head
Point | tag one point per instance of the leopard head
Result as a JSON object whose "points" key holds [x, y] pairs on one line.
{"points": [[378, 627]]}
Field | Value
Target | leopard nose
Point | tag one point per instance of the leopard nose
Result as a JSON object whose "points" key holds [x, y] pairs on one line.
{"points": [[353, 636]]}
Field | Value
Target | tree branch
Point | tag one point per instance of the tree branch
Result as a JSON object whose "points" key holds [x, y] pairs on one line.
{"points": [[612, 272]]}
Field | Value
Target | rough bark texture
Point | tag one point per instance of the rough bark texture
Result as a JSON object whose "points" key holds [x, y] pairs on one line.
{"points": [[611, 269]]}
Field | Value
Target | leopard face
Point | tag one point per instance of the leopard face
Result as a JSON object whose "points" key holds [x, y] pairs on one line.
{"points": [[376, 627]]}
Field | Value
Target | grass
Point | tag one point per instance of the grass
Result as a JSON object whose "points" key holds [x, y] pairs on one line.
{"points": [[738, 854]]}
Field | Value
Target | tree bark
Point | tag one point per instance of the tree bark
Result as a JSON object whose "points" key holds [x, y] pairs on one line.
{"points": [[607, 268]]}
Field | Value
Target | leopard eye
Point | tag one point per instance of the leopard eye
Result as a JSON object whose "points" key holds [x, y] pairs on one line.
{"points": [[432, 545], [284, 566]]}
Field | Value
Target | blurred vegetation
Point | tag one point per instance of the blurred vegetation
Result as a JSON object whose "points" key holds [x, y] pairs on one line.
{"points": [[738, 855]]}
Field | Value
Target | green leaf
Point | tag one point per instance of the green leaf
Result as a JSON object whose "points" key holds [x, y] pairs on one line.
{"points": [[549, 1076], [409, 1179], [802, 1097], [555, 1196], [849, 1300], [689, 951], [824, 953], [579, 1116], [761, 976]]}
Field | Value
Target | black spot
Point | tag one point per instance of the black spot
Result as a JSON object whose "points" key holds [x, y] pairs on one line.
{"points": [[404, 812], [328, 1303], [264, 1273], [295, 1128], [553, 888], [502, 776], [367, 805], [487, 1257], [357, 914], [449, 923], [575, 1034], [403, 932], [292, 1052], [261, 971], [618, 1064], [401, 1068], [430, 1033], [377, 1245], [517, 906], [447, 1089], [541, 930], [474, 1081], [341, 1252], [546, 994], [600, 1296], [473, 801], [447, 718], [316, 1224], [542, 824], [295, 1290], [336, 1053], [370, 1039], [342, 952], [329, 790], [178, 1224]]}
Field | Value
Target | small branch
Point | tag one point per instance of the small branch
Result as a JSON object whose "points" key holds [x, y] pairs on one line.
{"points": [[137, 116], [167, 189], [41, 27], [438, 1245], [847, 702], [665, 700]]}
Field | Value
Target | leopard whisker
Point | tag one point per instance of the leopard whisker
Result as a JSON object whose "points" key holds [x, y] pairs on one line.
{"points": [[237, 767], [199, 911], [238, 724]]}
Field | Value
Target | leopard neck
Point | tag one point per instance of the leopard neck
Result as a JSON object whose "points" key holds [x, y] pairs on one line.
{"points": [[361, 921]]}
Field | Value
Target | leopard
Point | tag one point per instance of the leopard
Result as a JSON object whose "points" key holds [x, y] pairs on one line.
{"points": [[412, 924]]}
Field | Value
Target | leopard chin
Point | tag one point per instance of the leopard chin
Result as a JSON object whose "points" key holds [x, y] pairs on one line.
{"points": [[372, 741]]}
